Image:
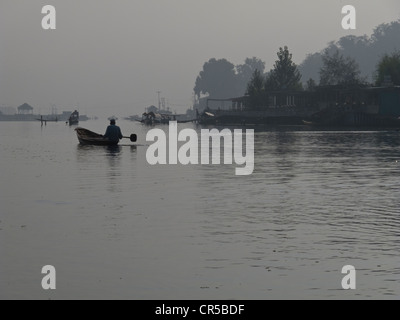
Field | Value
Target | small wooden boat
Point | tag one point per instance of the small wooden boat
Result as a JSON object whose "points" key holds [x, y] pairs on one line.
{"points": [[87, 137], [73, 122]]}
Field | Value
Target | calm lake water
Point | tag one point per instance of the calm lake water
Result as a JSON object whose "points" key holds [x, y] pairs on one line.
{"points": [[115, 227]]}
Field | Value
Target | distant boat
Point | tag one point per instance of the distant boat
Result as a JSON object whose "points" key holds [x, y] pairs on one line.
{"points": [[308, 123], [151, 118], [207, 118], [47, 120], [74, 118], [134, 118]]}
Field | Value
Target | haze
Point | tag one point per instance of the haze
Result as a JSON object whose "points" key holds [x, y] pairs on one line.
{"points": [[111, 57]]}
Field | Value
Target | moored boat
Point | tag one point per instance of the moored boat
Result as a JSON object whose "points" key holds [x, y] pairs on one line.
{"points": [[74, 118]]}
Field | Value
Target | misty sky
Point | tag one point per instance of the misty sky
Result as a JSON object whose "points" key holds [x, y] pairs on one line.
{"points": [[112, 56]]}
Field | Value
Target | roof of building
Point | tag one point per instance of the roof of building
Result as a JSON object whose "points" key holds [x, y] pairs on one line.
{"points": [[25, 106]]}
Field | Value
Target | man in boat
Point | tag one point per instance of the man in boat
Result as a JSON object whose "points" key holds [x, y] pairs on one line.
{"points": [[113, 132]]}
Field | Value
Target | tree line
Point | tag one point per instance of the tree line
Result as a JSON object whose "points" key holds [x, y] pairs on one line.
{"points": [[222, 79], [335, 65], [366, 50]]}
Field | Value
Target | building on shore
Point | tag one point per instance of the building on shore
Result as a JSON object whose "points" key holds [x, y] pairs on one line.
{"points": [[324, 106], [25, 109], [25, 112], [7, 111]]}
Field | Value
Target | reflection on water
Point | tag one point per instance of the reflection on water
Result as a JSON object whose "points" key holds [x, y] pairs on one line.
{"points": [[109, 158], [114, 172], [322, 199], [120, 228]]}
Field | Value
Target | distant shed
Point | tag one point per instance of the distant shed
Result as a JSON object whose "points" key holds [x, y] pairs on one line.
{"points": [[25, 109]]}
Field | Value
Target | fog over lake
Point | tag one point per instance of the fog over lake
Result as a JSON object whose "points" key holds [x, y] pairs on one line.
{"points": [[315, 199], [111, 57]]}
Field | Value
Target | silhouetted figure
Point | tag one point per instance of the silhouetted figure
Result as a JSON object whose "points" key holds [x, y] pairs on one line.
{"points": [[113, 132]]}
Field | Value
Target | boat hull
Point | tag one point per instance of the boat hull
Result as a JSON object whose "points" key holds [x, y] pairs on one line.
{"points": [[87, 137]]}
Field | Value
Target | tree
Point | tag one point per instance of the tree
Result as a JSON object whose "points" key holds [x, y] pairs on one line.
{"points": [[285, 75], [246, 71], [255, 88], [256, 84], [311, 85], [367, 50], [389, 66], [310, 67], [338, 70], [218, 79]]}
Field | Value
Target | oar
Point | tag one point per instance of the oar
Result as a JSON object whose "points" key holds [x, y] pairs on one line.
{"points": [[133, 137]]}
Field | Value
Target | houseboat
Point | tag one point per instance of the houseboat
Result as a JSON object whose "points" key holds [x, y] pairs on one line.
{"points": [[324, 106]]}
